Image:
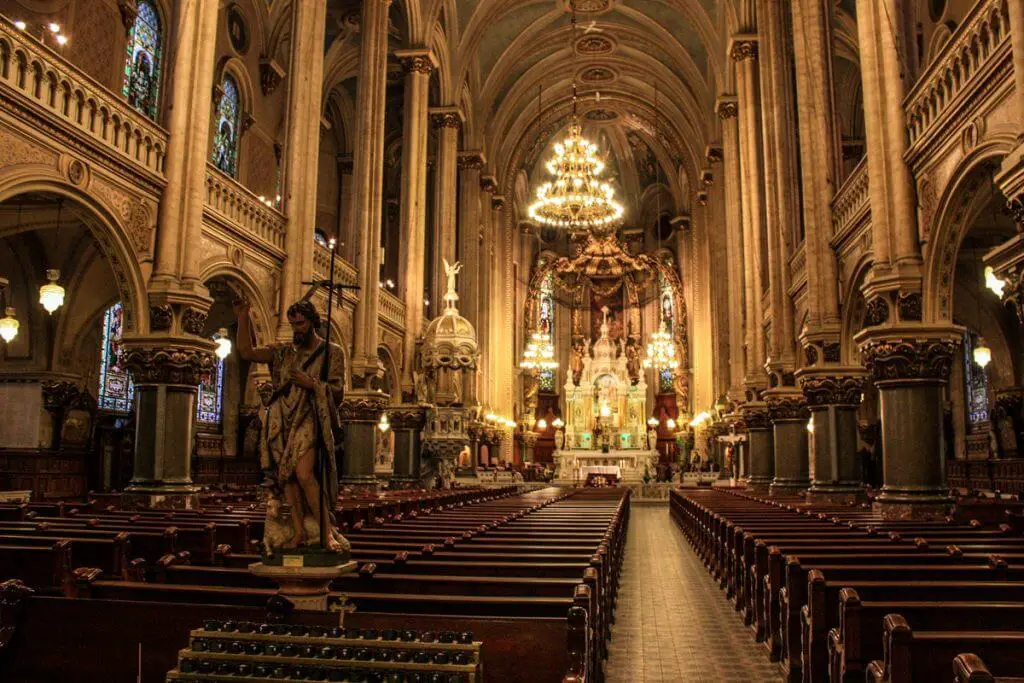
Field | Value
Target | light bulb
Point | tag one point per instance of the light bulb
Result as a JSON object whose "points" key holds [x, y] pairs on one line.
{"points": [[670, 423], [20, 25], [51, 295], [992, 282], [605, 410], [54, 28], [557, 423], [653, 422], [61, 39], [383, 425], [542, 424], [982, 353], [223, 344], [9, 325]]}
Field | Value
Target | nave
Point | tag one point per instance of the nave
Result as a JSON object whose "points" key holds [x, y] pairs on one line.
{"points": [[672, 623]]}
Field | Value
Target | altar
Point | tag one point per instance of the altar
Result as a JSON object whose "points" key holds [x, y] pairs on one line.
{"points": [[574, 466]]}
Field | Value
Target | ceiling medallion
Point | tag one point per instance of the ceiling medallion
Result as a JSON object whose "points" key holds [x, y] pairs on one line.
{"points": [[598, 74], [591, 6], [594, 44]]}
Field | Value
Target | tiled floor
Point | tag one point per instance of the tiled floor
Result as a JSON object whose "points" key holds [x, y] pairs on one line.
{"points": [[672, 622]]}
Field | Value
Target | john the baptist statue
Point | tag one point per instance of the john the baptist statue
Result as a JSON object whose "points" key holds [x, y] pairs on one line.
{"points": [[297, 432]]}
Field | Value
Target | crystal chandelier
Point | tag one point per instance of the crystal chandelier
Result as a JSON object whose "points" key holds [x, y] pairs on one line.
{"points": [[661, 350], [539, 353], [577, 198]]}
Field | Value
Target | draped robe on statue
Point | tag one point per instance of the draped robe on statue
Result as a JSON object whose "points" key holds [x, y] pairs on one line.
{"points": [[298, 423]]}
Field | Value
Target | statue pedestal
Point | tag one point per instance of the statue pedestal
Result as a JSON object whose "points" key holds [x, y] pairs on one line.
{"points": [[306, 587]]}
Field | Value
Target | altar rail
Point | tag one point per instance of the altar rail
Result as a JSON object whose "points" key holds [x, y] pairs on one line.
{"points": [[236, 206], [851, 203], [34, 76], [971, 55]]}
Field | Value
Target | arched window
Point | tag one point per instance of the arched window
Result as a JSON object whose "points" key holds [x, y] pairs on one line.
{"points": [[142, 63], [117, 392], [667, 308], [976, 379], [546, 325], [209, 409], [665, 381], [225, 137]]}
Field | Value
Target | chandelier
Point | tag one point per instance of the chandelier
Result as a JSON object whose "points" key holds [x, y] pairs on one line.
{"points": [[539, 353], [577, 198], [661, 351]]}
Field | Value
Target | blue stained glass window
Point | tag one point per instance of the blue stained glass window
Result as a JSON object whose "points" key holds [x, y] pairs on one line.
{"points": [[546, 314], [225, 137], [547, 381], [211, 394], [665, 381], [976, 379], [142, 63], [117, 392]]}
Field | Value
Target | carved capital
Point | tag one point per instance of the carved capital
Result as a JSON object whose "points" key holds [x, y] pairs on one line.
{"points": [[908, 306], [161, 317], [271, 74], [419, 64], [363, 407], [193, 321], [58, 394], [488, 183], [498, 201], [832, 390], [407, 418], [446, 117], [472, 160], [755, 415], [787, 407], [713, 154], [909, 358], [743, 49], [877, 312], [727, 108], [166, 363]]}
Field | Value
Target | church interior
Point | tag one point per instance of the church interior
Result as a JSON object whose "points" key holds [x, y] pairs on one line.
{"points": [[511, 340]]}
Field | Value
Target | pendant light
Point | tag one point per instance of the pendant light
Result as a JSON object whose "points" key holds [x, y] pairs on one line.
{"points": [[982, 353], [51, 295], [8, 324]]}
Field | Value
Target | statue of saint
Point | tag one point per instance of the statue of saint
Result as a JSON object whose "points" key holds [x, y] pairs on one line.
{"points": [[633, 361], [297, 444]]}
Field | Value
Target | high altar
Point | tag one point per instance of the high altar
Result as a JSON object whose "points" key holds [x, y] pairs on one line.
{"points": [[605, 428]]}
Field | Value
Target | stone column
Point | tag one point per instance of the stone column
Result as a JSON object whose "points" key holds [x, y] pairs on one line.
{"points": [[360, 413], [760, 445], [728, 109], [471, 164], [743, 49], [910, 367], [485, 270], [167, 371], [407, 423], [833, 398], [417, 65], [447, 121], [302, 136], [181, 208], [367, 188], [789, 414], [529, 442]]}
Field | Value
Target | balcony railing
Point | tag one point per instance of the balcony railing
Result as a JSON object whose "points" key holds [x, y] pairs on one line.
{"points": [[392, 309], [344, 271], [970, 55], [239, 208], [851, 203], [34, 76]]}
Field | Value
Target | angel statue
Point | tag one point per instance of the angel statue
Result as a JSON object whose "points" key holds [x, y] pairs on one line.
{"points": [[451, 270]]}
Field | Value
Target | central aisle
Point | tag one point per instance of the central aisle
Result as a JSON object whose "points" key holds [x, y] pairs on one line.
{"points": [[672, 622]]}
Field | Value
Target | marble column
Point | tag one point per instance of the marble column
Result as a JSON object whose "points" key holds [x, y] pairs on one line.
{"points": [[833, 398], [728, 109], [743, 50], [789, 414], [166, 372], [181, 207], [447, 121], [302, 142], [418, 65], [910, 368], [407, 424], [367, 188], [485, 270], [471, 164], [360, 413], [760, 445]]}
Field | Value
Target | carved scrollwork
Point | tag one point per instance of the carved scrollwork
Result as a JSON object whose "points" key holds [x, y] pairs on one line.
{"points": [[161, 317], [909, 358], [167, 365], [407, 418], [877, 312], [832, 390], [787, 407], [909, 306], [743, 50], [756, 417], [811, 354], [193, 321], [831, 351], [421, 64], [59, 394], [362, 408]]}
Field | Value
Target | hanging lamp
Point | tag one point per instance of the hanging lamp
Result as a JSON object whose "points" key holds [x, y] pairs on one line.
{"points": [[51, 295]]}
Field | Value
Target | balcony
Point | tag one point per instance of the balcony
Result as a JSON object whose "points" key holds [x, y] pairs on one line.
{"points": [[975, 56], [851, 205], [42, 86], [234, 208], [344, 271], [392, 309]]}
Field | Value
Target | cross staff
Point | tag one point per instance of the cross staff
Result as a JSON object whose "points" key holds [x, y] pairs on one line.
{"points": [[325, 371]]}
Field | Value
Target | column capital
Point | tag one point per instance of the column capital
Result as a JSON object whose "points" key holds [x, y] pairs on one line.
{"points": [[836, 386], [472, 159], [488, 183], [727, 106], [447, 117], [271, 75], [743, 46], [786, 405], [407, 417], [910, 353], [363, 406], [419, 60], [167, 359], [755, 415], [713, 153], [498, 201]]}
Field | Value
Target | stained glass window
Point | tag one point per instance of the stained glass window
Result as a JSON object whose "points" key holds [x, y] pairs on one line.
{"points": [[665, 381], [225, 137], [547, 381], [666, 305], [142, 63], [976, 379], [117, 392], [546, 314], [211, 394]]}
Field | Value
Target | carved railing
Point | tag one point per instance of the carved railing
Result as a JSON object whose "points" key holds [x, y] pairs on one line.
{"points": [[968, 57], [344, 271], [851, 203], [392, 309], [239, 208], [34, 77]]}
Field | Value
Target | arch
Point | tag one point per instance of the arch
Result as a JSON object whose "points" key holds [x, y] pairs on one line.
{"points": [[853, 311], [263, 318], [955, 214], [386, 356], [113, 239]]}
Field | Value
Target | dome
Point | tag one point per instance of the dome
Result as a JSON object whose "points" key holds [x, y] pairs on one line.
{"points": [[449, 341]]}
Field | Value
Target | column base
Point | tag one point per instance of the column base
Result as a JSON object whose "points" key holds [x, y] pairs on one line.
{"points": [[836, 495], [913, 505], [162, 497], [788, 487]]}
